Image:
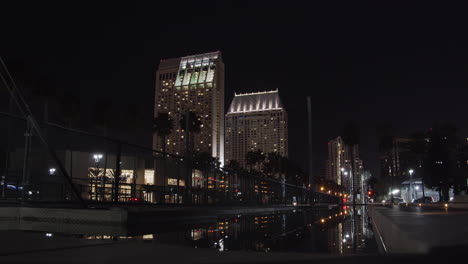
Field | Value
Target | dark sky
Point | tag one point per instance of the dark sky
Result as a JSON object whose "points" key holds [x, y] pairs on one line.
{"points": [[363, 63]]}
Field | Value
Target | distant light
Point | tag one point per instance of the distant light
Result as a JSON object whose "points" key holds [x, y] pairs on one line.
{"points": [[97, 157], [445, 205], [395, 191], [416, 187], [322, 220], [345, 173], [51, 171], [48, 234], [344, 240], [411, 171], [347, 236], [29, 192], [342, 169]]}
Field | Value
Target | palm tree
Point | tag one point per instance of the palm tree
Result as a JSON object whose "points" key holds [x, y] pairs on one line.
{"points": [[194, 126], [350, 137], [418, 146], [386, 135], [191, 124], [45, 89], [440, 162], [254, 159], [102, 114], [273, 165], [70, 108], [162, 127]]}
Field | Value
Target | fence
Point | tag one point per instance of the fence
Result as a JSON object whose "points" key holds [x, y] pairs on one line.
{"points": [[103, 170]]}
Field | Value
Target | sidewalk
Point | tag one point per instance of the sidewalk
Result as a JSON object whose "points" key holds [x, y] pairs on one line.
{"points": [[417, 229]]}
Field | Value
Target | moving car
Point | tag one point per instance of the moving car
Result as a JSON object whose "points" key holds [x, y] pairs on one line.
{"points": [[425, 199], [396, 200]]}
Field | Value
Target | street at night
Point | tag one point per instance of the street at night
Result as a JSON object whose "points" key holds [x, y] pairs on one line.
{"points": [[233, 132]]}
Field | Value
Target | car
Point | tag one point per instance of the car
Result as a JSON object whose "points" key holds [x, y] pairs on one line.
{"points": [[425, 199], [396, 200]]}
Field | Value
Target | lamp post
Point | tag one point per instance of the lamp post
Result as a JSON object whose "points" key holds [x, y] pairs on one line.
{"points": [[411, 183], [341, 175], [97, 159], [346, 174]]}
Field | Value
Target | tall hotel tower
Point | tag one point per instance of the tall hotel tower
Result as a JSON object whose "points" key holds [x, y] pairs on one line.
{"points": [[339, 157], [256, 121], [193, 83]]}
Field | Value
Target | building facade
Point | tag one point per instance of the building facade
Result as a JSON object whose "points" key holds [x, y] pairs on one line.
{"points": [[256, 121], [196, 84], [339, 165], [398, 160]]}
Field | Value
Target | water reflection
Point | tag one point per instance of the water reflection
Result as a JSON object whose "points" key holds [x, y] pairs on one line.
{"points": [[340, 231]]}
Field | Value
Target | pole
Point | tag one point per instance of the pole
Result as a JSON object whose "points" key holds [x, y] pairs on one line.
{"points": [[117, 173], [309, 116], [27, 146], [187, 157], [7, 154], [422, 185]]}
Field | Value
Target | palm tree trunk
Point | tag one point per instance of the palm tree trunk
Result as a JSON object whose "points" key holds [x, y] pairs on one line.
{"points": [[352, 174], [163, 173]]}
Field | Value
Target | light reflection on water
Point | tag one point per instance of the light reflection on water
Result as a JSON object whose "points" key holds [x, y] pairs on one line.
{"points": [[341, 231]]}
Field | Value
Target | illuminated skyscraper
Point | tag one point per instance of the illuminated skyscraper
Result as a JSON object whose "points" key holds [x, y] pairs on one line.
{"points": [[193, 83], [256, 121], [339, 157]]}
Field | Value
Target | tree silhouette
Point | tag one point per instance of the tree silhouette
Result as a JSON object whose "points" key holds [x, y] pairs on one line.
{"points": [[350, 137]]}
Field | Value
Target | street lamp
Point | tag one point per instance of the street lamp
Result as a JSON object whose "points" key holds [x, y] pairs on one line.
{"points": [[411, 184], [97, 159], [341, 175]]}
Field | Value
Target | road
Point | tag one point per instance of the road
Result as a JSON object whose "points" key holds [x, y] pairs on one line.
{"points": [[405, 229]]}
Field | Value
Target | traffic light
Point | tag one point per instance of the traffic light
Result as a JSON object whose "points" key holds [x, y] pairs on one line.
{"points": [[369, 193]]}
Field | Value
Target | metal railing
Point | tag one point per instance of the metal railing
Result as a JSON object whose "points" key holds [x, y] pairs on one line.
{"points": [[104, 170]]}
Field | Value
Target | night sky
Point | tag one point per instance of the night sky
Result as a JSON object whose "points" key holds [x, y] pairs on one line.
{"points": [[367, 64]]}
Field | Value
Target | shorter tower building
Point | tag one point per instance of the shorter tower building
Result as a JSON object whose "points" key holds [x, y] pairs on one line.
{"points": [[339, 164], [256, 121]]}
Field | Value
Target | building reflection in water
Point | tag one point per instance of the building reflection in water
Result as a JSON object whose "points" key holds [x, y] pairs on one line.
{"points": [[341, 231]]}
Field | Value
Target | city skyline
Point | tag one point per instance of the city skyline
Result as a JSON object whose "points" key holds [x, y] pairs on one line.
{"points": [[365, 75]]}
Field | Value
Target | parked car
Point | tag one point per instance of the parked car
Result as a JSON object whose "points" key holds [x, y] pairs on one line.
{"points": [[396, 200], [425, 199]]}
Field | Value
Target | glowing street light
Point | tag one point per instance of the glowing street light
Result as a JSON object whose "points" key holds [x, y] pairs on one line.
{"points": [[97, 157]]}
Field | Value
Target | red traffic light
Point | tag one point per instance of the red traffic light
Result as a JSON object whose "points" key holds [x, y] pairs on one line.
{"points": [[369, 193]]}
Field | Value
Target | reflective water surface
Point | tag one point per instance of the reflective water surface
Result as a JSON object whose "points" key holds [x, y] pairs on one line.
{"points": [[340, 231]]}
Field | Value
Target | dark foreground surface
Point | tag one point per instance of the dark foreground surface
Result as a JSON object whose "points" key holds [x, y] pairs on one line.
{"points": [[339, 235], [292, 235]]}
